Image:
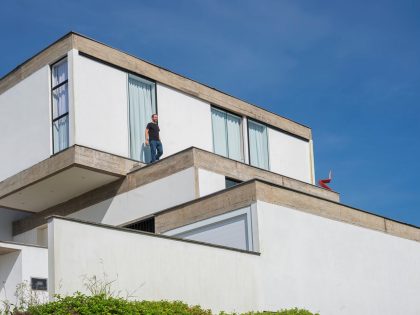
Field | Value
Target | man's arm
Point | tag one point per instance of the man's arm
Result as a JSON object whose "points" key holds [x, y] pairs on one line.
{"points": [[146, 136]]}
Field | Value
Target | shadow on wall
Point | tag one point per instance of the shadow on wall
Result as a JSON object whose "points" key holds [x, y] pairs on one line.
{"points": [[10, 274]]}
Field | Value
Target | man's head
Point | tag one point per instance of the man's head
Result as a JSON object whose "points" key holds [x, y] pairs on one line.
{"points": [[155, 118]]}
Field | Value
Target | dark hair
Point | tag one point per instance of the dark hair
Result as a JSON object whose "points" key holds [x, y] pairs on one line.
{"points": [[153, 115]]}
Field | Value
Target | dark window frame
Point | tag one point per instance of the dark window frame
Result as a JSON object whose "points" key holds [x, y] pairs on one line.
{"points": [[53, 88]]}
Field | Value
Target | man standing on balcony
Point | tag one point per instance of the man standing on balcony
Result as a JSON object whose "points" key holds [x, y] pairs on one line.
{"points": [[153, 138]]}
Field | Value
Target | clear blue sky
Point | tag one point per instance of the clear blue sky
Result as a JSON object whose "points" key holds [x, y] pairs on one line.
{"points": [[348, 69]]}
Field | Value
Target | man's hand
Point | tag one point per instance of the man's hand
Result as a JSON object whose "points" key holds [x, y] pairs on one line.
{"points": [[147, 142]]}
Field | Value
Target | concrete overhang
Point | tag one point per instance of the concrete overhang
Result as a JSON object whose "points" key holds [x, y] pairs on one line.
{"points": [[252, 191], [62, 177], [142, 175]]}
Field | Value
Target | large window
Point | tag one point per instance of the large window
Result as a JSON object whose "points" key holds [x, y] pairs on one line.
{"points": [[258, 144], [142, 104], [60, 106], [227, 135]]}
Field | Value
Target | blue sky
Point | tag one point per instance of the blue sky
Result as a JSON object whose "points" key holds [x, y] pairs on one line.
{"points": [[348, 69]]}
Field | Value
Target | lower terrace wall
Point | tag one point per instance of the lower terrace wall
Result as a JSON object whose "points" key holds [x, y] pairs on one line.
{"points": [[335, 267], [151, 267]]}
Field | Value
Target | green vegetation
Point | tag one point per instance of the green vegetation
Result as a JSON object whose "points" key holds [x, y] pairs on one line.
{"points": [[80, 304]]}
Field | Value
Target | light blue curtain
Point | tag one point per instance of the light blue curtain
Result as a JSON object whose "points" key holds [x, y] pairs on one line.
{"points": [[141, 107], [227, 140], [61, 134], [234, 137], [218, 119], [258, 144], [60, 100]]}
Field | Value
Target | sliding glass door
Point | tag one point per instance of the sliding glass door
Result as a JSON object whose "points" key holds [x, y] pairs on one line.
{"points": [[227, 134], [258, 145], [142, 104]]}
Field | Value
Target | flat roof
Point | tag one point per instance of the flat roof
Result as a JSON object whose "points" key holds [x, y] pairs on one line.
{"points": [[101, 52]]}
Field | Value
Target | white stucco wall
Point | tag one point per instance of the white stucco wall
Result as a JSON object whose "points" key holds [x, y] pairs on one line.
{"points": [[100, 98], [289, 155], [210, 182], [7, 217], [152, 268], [19, 266], [334, 267], [306, 261], [25, 126], [142, 201], [184, 121]]}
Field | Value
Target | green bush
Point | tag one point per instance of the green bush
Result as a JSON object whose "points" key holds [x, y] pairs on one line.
{"points": [[80, 304]]}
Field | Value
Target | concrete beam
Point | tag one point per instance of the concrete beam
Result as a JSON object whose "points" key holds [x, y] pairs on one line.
{"points": [[247, 193]]}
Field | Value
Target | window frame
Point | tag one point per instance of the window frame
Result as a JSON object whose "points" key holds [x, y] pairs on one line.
{"points": [[145, 80], [241, 135], [53, 88], [267, 126]]}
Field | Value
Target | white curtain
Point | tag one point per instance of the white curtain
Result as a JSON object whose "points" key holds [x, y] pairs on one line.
{"points": [[141, 107], [258, 145], [234, 137], [218, 119], [60, 101], [61, 134], [59, 73]]}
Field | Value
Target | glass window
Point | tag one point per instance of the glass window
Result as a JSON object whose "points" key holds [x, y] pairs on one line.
{"points": [[60, 106], [142, 104], [258, 144], [230, 182], [227, 135]]}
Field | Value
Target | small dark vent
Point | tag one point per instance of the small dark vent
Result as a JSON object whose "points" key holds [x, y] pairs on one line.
{"points": [[39, 284], [147, 225]]}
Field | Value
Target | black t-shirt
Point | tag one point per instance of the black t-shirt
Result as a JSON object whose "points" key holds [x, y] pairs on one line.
{"points": [[153, 131]]}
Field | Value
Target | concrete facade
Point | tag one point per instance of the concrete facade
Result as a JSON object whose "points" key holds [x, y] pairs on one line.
{"points": [[174, 229]]}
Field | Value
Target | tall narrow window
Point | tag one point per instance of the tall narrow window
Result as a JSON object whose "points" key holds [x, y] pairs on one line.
{"points": [[258, 145], [142, 104], [227, 135], [60, 106]]}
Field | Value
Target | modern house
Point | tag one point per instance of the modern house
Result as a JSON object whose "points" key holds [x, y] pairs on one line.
{"points": [[230, 218]]}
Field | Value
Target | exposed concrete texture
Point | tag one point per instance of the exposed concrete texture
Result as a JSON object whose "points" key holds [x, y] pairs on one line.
{"points": [[246, 193], [73, 156], [142, 175]]}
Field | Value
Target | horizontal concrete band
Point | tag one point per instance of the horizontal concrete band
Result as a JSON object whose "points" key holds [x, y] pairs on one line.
{"points": [[247, 193], [125, 61], [143, 175], [74, 156]]}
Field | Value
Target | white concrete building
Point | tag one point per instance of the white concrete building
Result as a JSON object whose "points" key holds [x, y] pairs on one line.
{"points": [[229, 218]]}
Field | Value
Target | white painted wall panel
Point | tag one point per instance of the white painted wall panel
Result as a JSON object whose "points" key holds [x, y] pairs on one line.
{"points": [[100, 96], [25, 126], [184, 121], [153, 268], [19, 266], [333, 267], [142, 201], [7, 217], [289, 155], [210, 182]]}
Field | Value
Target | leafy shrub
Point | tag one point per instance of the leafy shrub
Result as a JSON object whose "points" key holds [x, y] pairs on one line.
{"points": [[80, 304]]}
